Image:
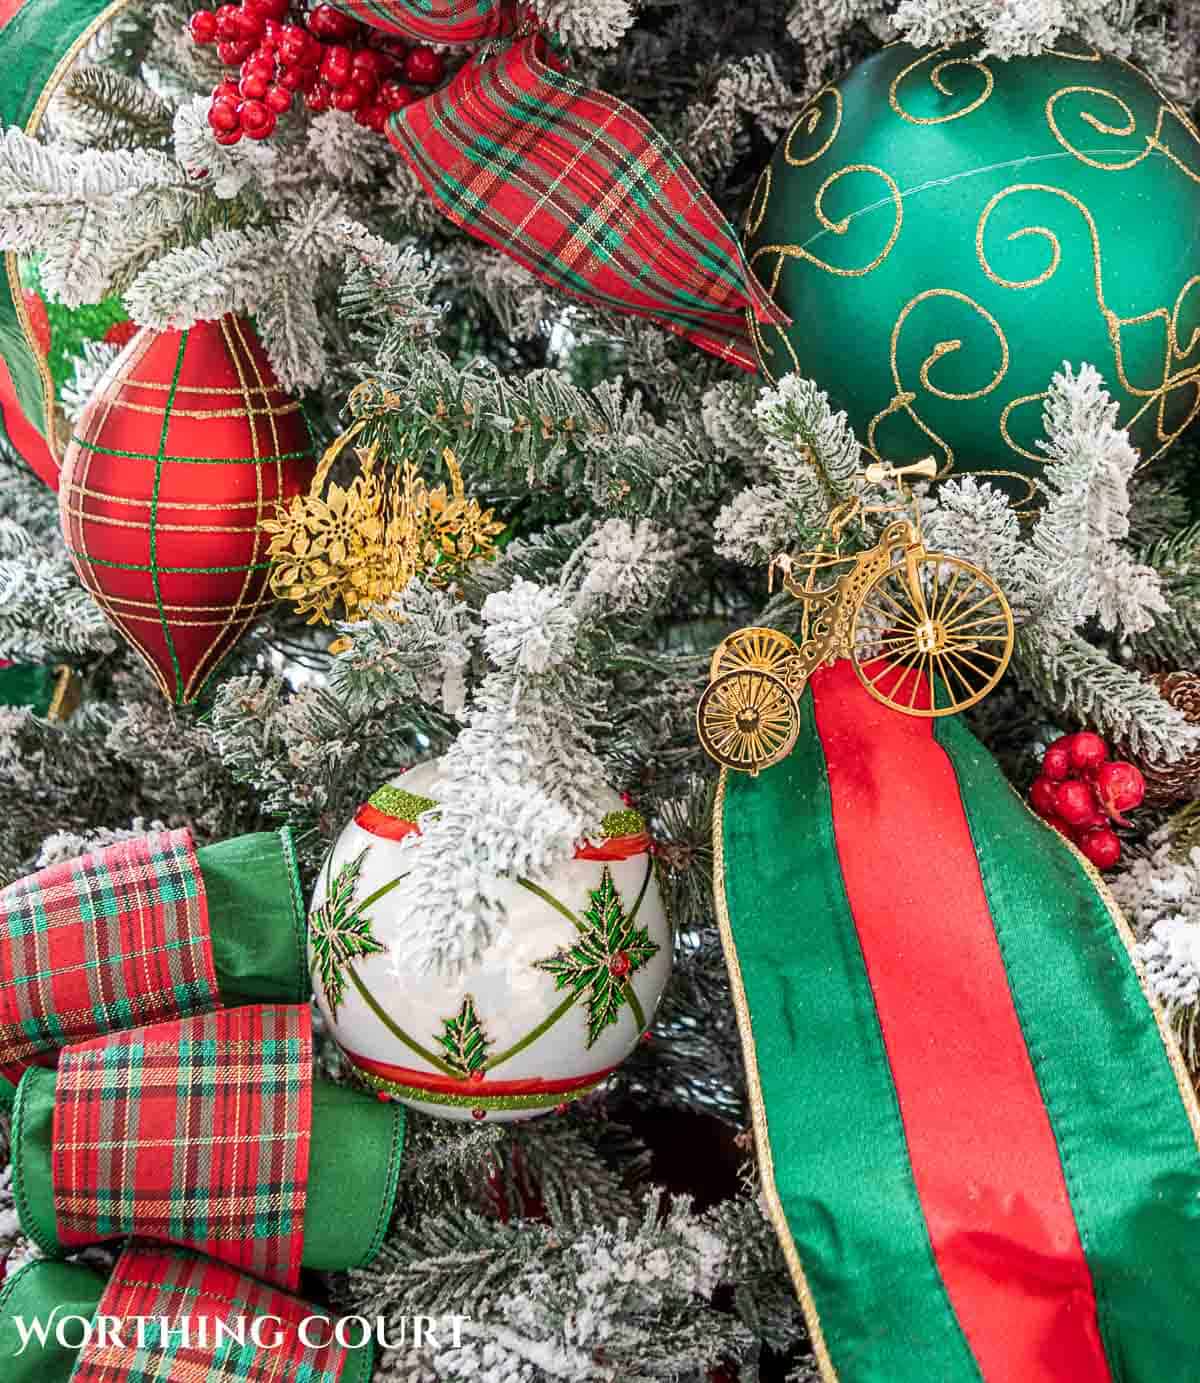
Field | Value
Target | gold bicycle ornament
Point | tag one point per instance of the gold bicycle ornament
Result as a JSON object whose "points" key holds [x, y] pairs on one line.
{"points": [[928, 634]]}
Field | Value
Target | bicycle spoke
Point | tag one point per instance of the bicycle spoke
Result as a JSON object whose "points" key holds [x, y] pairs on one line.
{"points": [[937, 612], [982, 673], [907, 616], [969, 646], [990, 595]]}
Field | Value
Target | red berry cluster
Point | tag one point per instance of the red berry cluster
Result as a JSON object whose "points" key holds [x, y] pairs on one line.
{"points": [[330, 58], [1081, 791]]}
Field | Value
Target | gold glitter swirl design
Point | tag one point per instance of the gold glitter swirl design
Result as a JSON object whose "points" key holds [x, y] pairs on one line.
{"points": [[1175, 374], [840, 227], [936, 80], [1151, 143], [1105, 129], [809, 122], [905, 398]]}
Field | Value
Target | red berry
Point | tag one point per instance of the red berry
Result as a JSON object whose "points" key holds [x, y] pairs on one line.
{"points": [[1075, 802], [223, 115], [272, 11], [350, 96], [1120, 787], [320, 97], [395, 95], [365, 61], [424, 66], [1057, 824], [620, 965], [254, 88], [228, 136], [121, 333], [1088, 751], [278, 98], [259, 64], [1101, 846], [297, 79], [292, 44], [39, 319], [326, 22], [257, 119], [314, 51], [479, 1114], [390, 44], [271, 32], [336, 65], [203, 27], [250, 23], [227, 21], [1056, 763], [234, 51], [376, 116], [1041, 798]]}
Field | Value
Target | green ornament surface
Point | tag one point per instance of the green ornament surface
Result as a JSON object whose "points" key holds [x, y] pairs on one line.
{"points": [[945, 231]]}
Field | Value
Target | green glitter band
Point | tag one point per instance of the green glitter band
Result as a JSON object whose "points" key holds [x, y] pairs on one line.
{"points": [[469, 1100], [393, 801], [623, 823]]}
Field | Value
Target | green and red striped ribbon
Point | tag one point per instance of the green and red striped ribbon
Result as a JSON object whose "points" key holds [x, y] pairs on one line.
{"points": [[979, 1142]]}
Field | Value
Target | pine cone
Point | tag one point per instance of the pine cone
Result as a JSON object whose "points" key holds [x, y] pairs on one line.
{"points": [[1169, 783]]}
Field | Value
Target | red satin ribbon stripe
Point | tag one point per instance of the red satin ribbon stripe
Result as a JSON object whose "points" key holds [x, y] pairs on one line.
{"points": [[983, 1154]]}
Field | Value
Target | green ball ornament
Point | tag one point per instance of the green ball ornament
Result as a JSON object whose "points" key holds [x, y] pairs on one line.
{"points": [[945, 231]]}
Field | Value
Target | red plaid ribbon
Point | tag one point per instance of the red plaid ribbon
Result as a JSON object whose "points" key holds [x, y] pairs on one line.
{"points": [[109, 940], [440, 21], [194, 1131], [581, 190], [199, 1326]]}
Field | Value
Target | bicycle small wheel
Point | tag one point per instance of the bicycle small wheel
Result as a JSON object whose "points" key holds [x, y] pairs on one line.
{"points": [[747, 720], [935, 651], [758, 648]]}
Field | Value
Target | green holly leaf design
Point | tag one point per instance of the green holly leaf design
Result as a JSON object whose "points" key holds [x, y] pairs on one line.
{"points": [[338, 933], [600, 962], [464, 1039]]}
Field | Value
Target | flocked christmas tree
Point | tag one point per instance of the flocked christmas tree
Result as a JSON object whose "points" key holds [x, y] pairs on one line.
{"points": [[546, 515]]}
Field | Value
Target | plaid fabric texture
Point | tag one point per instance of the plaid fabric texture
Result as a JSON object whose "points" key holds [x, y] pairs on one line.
{"points": [[194, 1131], [439, 21], [109, 940], [580, 189], [203, 1297]]}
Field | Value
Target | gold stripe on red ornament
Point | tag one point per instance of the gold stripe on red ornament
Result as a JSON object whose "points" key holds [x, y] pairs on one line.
{"points": [[186, 446]]}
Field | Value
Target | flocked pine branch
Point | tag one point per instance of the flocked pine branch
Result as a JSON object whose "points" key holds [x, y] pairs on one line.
{"points": [[522, 783], [110, 110]]}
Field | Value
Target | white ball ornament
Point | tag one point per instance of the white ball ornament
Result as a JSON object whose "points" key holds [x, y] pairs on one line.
{"points": [[547, 1012]]}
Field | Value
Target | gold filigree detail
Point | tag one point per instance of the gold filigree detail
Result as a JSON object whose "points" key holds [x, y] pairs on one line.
{"points": [[935, 78], [363, 543]]}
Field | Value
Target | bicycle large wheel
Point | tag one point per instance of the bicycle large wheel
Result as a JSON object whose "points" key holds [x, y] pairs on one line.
{"points": [[754, 647], [937, 650], [747, 720]]}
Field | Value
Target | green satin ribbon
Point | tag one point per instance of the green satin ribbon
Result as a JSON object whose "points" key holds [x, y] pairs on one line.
{"points": [[844, 1196], [36, 1292], [257, 919], [1117, 1095], [36, 42]]}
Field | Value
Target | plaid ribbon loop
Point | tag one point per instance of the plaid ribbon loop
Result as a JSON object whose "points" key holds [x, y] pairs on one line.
{"points": [[113, 939], [580, 189], [199, 1317], [440, 21], [195, 1132]]}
